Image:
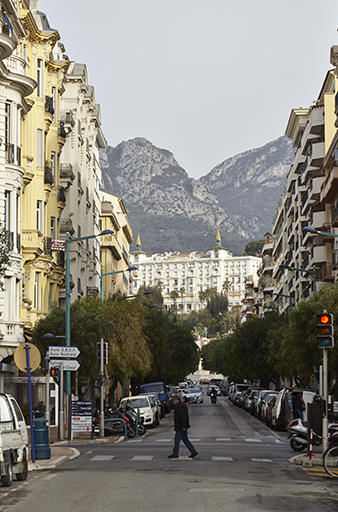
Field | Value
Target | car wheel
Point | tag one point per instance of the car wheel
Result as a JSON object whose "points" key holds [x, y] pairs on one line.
{"points": [[7, 478], [24, 474]]}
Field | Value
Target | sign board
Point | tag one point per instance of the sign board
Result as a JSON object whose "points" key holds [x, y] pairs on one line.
{"points": [[69, 365], [81, 416], [92, 290], [20, 357], [58, 245], [57, 352]]}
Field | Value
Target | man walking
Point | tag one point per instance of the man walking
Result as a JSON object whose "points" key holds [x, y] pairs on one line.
{"points": [[181, 425]]}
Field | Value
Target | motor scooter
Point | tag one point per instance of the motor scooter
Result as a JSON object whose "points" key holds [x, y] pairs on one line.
{"points": [[213, 398], [298, 435], [115, 423]]}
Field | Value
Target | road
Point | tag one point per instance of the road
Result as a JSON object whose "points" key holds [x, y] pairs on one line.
{"points": [[241, 466]]}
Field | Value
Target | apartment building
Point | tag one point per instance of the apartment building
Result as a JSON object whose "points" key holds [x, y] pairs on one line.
{"points": [[14, 106], [311, 130], [42, 199], [80, 179], [193, 272], [115, 247]]}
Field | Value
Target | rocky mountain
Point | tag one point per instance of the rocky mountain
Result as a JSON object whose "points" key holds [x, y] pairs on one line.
{"points": [[173, 212]]}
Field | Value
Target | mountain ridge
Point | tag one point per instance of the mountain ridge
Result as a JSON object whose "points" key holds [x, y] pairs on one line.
{"points": [[183, 213]]}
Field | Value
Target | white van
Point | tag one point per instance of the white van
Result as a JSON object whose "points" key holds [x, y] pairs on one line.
{"points": [[13, 441], [147, 407]]}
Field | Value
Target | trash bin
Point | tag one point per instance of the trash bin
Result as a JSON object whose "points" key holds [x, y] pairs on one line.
{"points": [[41, 438]]}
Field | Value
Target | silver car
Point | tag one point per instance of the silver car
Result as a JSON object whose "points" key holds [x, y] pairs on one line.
{"points": [[192, 395]]}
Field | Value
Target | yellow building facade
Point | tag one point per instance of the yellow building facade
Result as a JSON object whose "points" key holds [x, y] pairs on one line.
{"points": [[43, 137]]}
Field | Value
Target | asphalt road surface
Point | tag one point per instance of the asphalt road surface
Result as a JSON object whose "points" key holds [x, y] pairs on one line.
{"points": [[241, 466]]}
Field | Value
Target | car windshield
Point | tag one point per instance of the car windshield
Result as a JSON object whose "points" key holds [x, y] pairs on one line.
{"points": [[195, 390], [135, 402], [158, 388]]}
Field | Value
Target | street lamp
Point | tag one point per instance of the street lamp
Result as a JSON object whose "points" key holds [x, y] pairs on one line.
{"points": [[130, 269], [313, 272], [148, 292], [68, 241]]}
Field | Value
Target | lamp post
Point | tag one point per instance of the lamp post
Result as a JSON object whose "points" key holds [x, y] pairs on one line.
{"points": [[267, 292], [313, 272], [130, 269]]}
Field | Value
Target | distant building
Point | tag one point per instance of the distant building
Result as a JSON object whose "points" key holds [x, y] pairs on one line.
{"points": [[193, 272]]}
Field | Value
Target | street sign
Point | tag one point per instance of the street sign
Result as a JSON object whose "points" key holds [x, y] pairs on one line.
{"points": [[81, 416], [57, 352], [92, 291], [69, 365], [20, 357], [58, 245]]}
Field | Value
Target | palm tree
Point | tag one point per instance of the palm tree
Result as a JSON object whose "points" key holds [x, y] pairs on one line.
{"points": [[226, 287], [182, 292], [174, 295]]}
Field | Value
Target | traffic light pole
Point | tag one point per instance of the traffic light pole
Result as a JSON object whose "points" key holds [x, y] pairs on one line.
{"points": [[47, 413], [325, 393], [101, 391]]}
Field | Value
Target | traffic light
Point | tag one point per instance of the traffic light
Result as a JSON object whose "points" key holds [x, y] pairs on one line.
{"points": [[325, 330], [55, 373], [105, 352]]}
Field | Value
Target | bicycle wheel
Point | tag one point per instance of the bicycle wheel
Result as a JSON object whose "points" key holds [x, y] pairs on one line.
{"points": [[330, 461]]}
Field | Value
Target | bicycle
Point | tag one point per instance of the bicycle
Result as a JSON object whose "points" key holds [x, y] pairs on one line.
{"points": [[330, 457]]}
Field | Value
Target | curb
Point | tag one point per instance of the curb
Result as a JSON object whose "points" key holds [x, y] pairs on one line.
{"points": [[55, 463]]}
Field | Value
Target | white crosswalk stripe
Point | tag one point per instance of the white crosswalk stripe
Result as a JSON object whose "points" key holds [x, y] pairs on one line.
{"points": [[103, 457], [143, 457]]}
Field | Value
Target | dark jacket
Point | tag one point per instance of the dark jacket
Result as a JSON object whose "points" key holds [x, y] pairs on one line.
{"points": [[181, 416]]}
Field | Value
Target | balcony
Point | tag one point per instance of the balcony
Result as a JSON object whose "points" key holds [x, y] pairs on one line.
{"points": [[48, 178], [329, 188], [66, 226], [326, 273], [314, 160], [66, 116], [49, 108], [61, 194], [67, 175]]}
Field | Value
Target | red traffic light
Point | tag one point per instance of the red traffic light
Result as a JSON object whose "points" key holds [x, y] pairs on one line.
{"points": [[324, 319]]}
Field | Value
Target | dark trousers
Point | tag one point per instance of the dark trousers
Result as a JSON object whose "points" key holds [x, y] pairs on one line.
{"points": [[182, 435]]}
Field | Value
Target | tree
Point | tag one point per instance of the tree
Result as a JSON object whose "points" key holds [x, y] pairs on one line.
{"points": [[254, 248], [182, 292], [226, 286]]}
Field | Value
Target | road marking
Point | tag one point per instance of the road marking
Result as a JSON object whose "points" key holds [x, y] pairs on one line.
{"points": [[194, 440], [229, 459], [90, 451], [223, 439], [103, 457], [163, 440], [182, 458], [134, 441], [143, 457], [215, 489], [253, 440], [279, 441], [261, 460]]}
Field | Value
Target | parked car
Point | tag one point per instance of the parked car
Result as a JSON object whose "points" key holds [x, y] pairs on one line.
{"points": [[237, 390], [253, 400], [265, 403], [240, 399], [277, 416], [249, 397], [270, 403], [13, 441], [147, 407], [160, 389], [193, 395], [258, 403]]}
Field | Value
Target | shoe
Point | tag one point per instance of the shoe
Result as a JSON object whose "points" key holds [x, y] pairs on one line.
{"points": [[172, 456], [192, 455]]}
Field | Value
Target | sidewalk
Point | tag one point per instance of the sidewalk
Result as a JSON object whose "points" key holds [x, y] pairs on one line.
{"points": [[303, 460]]}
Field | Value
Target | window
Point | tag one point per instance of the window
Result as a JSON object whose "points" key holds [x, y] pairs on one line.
{"points": [[7, 123], [52, 227], [36, 291], [190, 289], [24, 56], [39, 215], [52, 164], [7, 210], [175, 282], [54, 102], [39, 79], [39, 149]]}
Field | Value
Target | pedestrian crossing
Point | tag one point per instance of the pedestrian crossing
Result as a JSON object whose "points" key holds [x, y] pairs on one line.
{"points": [[145, 458], [221, 440]]}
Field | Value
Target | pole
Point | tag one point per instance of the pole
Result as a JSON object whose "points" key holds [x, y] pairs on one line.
{"points": [[101, 392], [47, 414], [61, 403], [28, 368], [325, 386], [102, 285], [314, 279], [67, 308]]}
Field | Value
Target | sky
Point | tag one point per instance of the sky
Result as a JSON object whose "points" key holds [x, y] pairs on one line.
{"points": [[204, 79]]}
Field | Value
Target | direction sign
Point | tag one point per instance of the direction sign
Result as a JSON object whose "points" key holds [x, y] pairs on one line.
{"points": [[56, 352], [69, 365], [58, 245]]}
